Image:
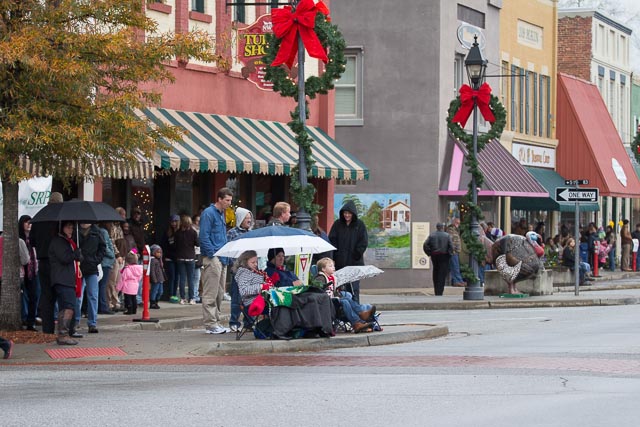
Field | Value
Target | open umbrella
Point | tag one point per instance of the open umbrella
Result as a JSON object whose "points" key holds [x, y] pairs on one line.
{"points": [[354, 273], [81, 211], [294, 241]]}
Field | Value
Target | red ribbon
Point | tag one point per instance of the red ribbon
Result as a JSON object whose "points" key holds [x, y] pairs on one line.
{"points": [[322, 8], [482, 97], [286, 26]]}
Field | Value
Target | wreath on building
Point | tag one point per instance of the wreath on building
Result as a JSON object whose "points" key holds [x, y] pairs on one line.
{"points": [[635, 146], [326, 42], [459, 111]]}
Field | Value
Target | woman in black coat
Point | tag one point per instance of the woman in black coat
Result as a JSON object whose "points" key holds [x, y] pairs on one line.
{"points": [[66, 279], [349, 235]]}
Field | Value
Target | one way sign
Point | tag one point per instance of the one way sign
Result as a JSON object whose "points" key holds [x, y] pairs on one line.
{"points": [[576, 194]]}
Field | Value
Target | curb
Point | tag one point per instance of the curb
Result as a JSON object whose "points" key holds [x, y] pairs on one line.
{"points": [[321, 344], [478, 305]]}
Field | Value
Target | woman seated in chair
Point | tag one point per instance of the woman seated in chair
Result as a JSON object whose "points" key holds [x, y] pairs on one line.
{"points": [[357, 314], [280, 276], [302, 308], [251, 281]]}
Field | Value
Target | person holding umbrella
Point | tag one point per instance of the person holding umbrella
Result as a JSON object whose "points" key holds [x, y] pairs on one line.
{"points": [[66, 278]]}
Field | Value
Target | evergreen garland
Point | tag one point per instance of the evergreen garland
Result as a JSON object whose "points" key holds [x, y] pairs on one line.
{"points": [[635, 147], [331, 39], [473, 245]]}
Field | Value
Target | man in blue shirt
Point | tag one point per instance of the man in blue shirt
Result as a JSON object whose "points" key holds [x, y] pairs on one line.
{"points": [[213, 236]]}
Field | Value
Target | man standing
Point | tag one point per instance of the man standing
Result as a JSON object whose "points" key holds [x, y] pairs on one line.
{"points": [[244, 222], [439, 247], [213, 236], [349, 235], [454, 261], [41, 235], [281, 214]]}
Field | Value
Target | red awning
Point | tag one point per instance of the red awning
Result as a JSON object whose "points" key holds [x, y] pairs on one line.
{"points": [[589, 146], [503, 174]]}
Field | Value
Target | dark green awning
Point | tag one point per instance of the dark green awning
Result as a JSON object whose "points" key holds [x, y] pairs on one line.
{"points": [[550, 180]]}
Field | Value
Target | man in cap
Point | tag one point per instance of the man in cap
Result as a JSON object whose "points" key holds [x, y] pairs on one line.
{"points": [[439, 247]]}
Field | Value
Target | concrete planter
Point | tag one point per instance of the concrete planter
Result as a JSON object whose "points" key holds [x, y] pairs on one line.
{"points": [[542, 284]]}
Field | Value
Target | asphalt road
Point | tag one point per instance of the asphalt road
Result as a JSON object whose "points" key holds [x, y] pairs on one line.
{"points": [[521, 367]]}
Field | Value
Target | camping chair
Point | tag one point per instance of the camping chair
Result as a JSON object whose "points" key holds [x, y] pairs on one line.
{"points": [[259, 325]]}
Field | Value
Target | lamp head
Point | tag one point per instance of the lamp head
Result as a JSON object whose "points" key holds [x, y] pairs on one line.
{"points": [[475, 64]]}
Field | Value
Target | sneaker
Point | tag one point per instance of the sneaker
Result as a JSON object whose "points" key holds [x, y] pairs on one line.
{"points": [[235, 328], [174, 300], [218, 330], [192, 302], [227, 297], [8, 351], [183, 301]]}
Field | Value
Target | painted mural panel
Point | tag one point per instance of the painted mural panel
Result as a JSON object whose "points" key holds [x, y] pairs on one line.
{"points": [[388, 221]]}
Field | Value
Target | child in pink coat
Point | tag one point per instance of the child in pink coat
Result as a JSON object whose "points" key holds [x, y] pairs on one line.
{"points": [[130, 277]]}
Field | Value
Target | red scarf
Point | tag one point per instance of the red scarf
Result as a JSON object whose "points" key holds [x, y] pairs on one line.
{"points": [[76, 266]]}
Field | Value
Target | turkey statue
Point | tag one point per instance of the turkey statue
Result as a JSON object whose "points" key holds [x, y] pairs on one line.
{"points": [[517, 258]]}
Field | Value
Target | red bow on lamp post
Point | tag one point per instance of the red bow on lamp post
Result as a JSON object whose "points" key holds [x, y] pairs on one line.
{"points": [[482, 96], [287, 24]]}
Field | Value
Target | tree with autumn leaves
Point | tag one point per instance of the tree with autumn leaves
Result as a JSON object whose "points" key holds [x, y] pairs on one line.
{"points": [[71, 75]]}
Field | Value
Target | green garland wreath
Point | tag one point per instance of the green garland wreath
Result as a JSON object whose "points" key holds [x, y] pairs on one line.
{"points": [[635, 146], [473, 245], [331, 39]]}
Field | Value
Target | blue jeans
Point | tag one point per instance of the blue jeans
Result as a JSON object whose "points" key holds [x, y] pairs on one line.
{"points": [[612, 259], [351, 308], [236, 300], [186, 270], [103, 304], [90, 283], [156, 292], [196, 282], [30, 297], [454, 268]]}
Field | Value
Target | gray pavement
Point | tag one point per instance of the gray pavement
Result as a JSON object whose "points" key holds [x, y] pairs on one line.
{"points": [[179, 333]]}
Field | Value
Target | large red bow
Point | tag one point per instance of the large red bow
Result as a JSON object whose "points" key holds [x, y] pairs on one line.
{"points": [[286, 26], [482, 96]]}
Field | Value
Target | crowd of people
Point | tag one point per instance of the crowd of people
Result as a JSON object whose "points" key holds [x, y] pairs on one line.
{"points": [[70, 271], [595, 245]]}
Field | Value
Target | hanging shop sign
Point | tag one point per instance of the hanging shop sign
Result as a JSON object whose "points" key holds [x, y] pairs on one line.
{"points": [[252, 45]]}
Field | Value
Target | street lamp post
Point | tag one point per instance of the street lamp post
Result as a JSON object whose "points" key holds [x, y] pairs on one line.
{"points": [[476, 66], [304, 219]]}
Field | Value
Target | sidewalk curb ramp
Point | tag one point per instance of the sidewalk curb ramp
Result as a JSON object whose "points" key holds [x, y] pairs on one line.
{"points": [[320, 344]]}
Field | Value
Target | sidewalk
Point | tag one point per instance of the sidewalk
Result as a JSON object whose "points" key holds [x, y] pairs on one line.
{"points": [[179, 333]]}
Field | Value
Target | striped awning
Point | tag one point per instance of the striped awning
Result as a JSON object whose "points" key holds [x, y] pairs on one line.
{"points": [[141, 169], [234, 144]]}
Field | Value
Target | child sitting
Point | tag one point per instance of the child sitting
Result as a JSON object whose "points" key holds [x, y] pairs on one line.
{"points": [[157, 276], [130, 277], [357, 314]]}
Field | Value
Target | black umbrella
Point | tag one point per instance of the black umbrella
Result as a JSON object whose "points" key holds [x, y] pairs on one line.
{"points": [[81, 211]]}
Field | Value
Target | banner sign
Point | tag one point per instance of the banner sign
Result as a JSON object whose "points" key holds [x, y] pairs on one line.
{"points": [[33, 195], [252, 44]]}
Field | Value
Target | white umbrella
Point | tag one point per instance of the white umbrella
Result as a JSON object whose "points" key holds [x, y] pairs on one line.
{"points": [[353, 273], [294, 241]]}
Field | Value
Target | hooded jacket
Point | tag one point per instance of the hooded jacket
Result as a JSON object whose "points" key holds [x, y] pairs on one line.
{"points": [[350, 240]]}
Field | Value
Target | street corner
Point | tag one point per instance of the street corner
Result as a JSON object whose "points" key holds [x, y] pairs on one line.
{"points": [[391, 334]]}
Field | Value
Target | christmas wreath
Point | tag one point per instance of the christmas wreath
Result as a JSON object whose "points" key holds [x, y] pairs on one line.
{"points": [[635, 146], [325, 42], [494, 112]]}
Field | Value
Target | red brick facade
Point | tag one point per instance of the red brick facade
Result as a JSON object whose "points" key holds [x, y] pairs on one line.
{"points": [[575, 46]]}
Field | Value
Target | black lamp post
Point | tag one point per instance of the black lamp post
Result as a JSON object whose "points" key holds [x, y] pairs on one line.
{"points": [[304, 219], [476, 66]]}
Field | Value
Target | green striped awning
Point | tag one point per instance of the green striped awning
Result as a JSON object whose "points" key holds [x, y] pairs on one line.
{"points": [[235, 144]]}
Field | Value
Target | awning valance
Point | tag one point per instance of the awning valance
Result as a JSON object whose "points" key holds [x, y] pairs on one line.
{"points": [[550, 180], [503, 174], [234, 144]]}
